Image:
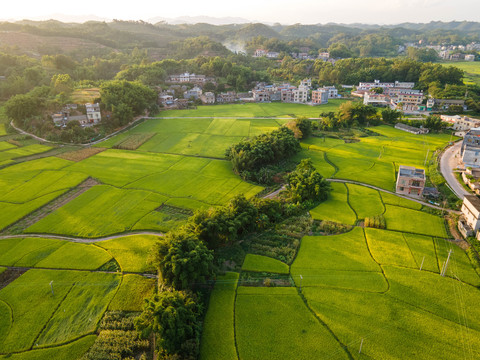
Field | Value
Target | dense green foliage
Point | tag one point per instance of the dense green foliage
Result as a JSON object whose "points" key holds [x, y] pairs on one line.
{"points": [[307, 184], [183, 260], [249, 156], [174, 318]]}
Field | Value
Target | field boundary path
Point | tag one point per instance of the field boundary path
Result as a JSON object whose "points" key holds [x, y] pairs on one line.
{"points": [[393, 193], [447, 166], [80, 239]]}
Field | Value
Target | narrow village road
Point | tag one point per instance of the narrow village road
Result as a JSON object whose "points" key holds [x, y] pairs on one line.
{"points": [[79, 239], [448, 163]]}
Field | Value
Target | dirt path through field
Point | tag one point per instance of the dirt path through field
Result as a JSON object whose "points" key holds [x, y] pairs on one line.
{"points": [[79, 239]]}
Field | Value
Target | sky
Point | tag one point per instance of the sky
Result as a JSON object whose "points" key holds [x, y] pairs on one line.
{"points": [[269, 11]]}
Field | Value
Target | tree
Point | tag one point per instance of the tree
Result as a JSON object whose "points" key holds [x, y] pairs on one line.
{"points": [[391, 116], [20, 108], [174, 319], [182, 260], [306, 183], [433, 123]]}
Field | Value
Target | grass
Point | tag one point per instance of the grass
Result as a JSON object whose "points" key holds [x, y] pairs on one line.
{"points": [[23, 151], [338, 260], [3, 132], [43, 183], [83, 96], [336, 207], [218, 338], [131, 252], [472, 71], [259, 263], [391, 329], [256, 110], [412, 221], [398, 201], [33, 288], [132, 293], [51, 253], [390, 248], [13, 212], [81, 310], [73, 350], [366, 202], [115, 211], [274, 323]]}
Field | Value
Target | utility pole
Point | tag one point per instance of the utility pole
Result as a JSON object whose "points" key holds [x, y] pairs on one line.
{"points": [[444, 270], [301, 278], [421, 266], [51, 287]]}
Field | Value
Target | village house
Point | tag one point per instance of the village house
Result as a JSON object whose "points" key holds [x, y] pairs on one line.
{"points": [[410, 181], [260, 53], [411, 129], [227, 97], [469, 222], [208, 98], [94, 115], [444, 104], [323, 56], [470, 150], [319, 96], [470, 57], [188, 78], [261, 95], [461, 123], [71, 113], [193, 93], [332, 91], [273, 55], [165, 99], [374, 99]]}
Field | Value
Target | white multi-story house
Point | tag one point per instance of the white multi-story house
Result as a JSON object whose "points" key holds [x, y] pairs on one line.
{"points": [[300, 95], [93, 113], [469, 222], [332, 91]]}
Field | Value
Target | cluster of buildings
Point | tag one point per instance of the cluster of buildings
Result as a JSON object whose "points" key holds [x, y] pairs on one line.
{"points": [[450, 52], [397, 95], [287, 93], [187, 78], [262, 93], [302, 55], [72, 112]]}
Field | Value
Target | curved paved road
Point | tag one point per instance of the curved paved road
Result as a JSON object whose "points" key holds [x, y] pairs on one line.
{"points": [[448, 163]]}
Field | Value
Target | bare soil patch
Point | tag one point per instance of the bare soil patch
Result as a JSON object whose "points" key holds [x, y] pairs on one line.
{"points": [[82, 154], [10, 275]]}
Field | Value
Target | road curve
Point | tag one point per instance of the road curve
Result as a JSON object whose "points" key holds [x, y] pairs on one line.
{"points": [[448, 163], [79, 239]]}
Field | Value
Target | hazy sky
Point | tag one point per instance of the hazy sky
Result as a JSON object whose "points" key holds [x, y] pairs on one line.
{"points": [[283, 11]]}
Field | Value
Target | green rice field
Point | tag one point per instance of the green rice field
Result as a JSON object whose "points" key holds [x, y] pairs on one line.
{"points": [[377, 287], [472, 71]]}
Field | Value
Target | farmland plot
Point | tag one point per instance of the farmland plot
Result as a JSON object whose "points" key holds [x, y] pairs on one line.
{"points": [[274, 323]]}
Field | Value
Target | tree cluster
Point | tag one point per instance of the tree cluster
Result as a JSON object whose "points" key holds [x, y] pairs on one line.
{"points": [[306, 184], [251, 155]]}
